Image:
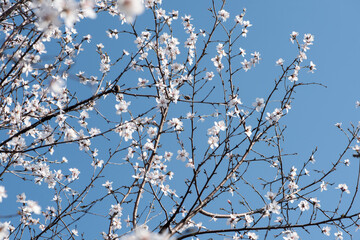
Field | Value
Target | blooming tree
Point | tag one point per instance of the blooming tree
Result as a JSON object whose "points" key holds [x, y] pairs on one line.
{"points": [[159, 143]]}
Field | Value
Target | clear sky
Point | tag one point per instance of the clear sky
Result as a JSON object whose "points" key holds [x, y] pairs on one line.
{"points": [[310, 123]]}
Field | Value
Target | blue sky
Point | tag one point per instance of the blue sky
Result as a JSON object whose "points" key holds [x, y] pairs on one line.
{"points": [[310, 123]]}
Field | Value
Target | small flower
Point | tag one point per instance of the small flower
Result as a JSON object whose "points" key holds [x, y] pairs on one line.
{"points": [[312, 67], [74, 174], [274, 207], [339, 235], [347, 162], [182, 155], [213, 142], [323, 186], [326, 230], [224, 15], [303, 205], [293, 36], [343, 187], [248, 131], [270, 195], [209, 75], [242, 52], [259, 104], [232, 221], [280, 62]]}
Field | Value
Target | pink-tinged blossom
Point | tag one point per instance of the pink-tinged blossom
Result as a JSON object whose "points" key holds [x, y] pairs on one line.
{"points": [[292, 186], [176, 124], [209, 75], [274, 207], [174, 94], [142, 82], [168, 155], [182, 155], [122, 106], [270, 195], [246, 65], [224, 15], [162, 102], [149, 145], [274, 116], [235, 100], [220, 126], [152, 132], [160, 13], [308, 39]]}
